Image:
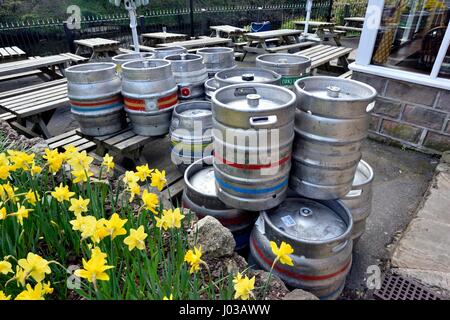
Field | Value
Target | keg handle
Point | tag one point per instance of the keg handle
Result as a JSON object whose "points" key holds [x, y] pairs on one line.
{"points": [[263, 121], [354, 193], [340, 246]]}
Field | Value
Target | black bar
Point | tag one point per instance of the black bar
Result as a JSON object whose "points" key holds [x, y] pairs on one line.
{"points": [[191, 15], [330, 11]]}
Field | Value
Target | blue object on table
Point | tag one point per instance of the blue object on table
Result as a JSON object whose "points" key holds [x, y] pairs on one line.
{"points": [[260, 26]]}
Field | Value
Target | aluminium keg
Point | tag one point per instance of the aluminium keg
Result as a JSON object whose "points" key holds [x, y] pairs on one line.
{"points": [[331, 121], [359, 199], [190, 75], [150, 94], [191, 133], [291, 67], [217, 59], [240, 75], [163, 52], [95, 99], [200, 196], [319, 231], [122, 58], [253, 131]]}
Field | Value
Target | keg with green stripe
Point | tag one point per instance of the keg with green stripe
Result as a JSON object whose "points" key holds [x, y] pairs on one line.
{"points": [[291, 67], [95, 99], [191, 133], [319, 231], [253, 130]]}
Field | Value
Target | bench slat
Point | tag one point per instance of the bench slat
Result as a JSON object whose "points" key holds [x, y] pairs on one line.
{"points": [[120, 138], [134, 143], [61, 136], [31, 98]]}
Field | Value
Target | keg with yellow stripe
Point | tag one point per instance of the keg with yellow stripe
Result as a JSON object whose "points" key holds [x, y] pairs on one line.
{"points": [[319, 231], [253, 131], [191, 133], [95, 98], [150, 94]]}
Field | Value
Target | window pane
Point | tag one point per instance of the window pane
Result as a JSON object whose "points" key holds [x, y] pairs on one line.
{"points": [[411, 33]]}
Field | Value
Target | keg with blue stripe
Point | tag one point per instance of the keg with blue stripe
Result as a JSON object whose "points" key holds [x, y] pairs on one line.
{"points": [[95, 99], [253, 131], [200, 196], [191, 133], [319, 231]]}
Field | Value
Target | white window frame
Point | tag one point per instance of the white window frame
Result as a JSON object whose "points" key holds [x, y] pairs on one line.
{"points": [[367, 43]]}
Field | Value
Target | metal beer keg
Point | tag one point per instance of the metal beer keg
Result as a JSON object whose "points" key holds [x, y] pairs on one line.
{"points": [[217, 59], [161, 53], [122, 58]]}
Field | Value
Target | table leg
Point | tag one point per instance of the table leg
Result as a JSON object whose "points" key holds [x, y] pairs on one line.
{"points": [[40, 126], [336, 37]]}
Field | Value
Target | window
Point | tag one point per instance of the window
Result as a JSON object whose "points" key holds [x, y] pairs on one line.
{"points": [[410, 35]]}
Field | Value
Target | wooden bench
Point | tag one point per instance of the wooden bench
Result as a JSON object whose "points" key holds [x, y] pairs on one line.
{"points": [[76, 59], [291, 46], [35, 103], [11, 54], [70, 138], [347, 28], [322, 55]]}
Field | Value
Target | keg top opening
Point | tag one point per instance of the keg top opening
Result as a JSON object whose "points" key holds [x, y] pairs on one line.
{"points": [[237, 75], [308, 220], [193, 109], [363, 175], [284, 59], [333, 88]]}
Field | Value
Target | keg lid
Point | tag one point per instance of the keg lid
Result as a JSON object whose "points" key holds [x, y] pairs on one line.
{"points": [[132, 56], [334, 88], [282, 59], [246, 75], [308, 220], [203, 181]]}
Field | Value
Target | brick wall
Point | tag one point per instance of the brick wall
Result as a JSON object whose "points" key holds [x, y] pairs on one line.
{"points": [[409, 114]]}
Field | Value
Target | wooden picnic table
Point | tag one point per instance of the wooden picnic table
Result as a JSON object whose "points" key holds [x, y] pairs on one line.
{"points": [[285, 39], [324, 54], [155, 38], [227, 31], [11, 53], [46, 64], [199, 43], [352, 24], [97, 47], [321, 28]]}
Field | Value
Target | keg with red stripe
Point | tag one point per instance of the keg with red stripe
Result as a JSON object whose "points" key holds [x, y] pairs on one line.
{"points": [[253, 130], [200, 196], [95, 99], [319, 231], [190, 74], [150, 94]]}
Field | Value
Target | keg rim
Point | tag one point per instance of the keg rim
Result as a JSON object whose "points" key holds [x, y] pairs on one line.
{"points": [[370, 89], [275, 77], [118, 58], [259, 85], [306, 62], [368, 168], [171, 57], [203, 162], [212, 50], [81, 68], [345, 236], [164, 64], [201, 104]]}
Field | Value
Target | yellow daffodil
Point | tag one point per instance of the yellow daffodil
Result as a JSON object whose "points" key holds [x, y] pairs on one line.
{"points": [[20, 159], [80, 161], [5, 267], [4, 161], [143, 172], [7, 191], [130, 178], [31, 198], [4, 172], [169, 298], [36, 293], [62, 193], [20, 276], [135, 190], [21, 213], [158, 179], [3, 296], [3, 213], [35, 266], [69, 152], [47, 288], [94, 269], [79, 206], [194, 259], [114, 226], [35, 169], [136, 239], [282, 253], [243, 287], [90, 227], [150, 201], [54, 160], [81, 175], [108, 162], [170, 219]]}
